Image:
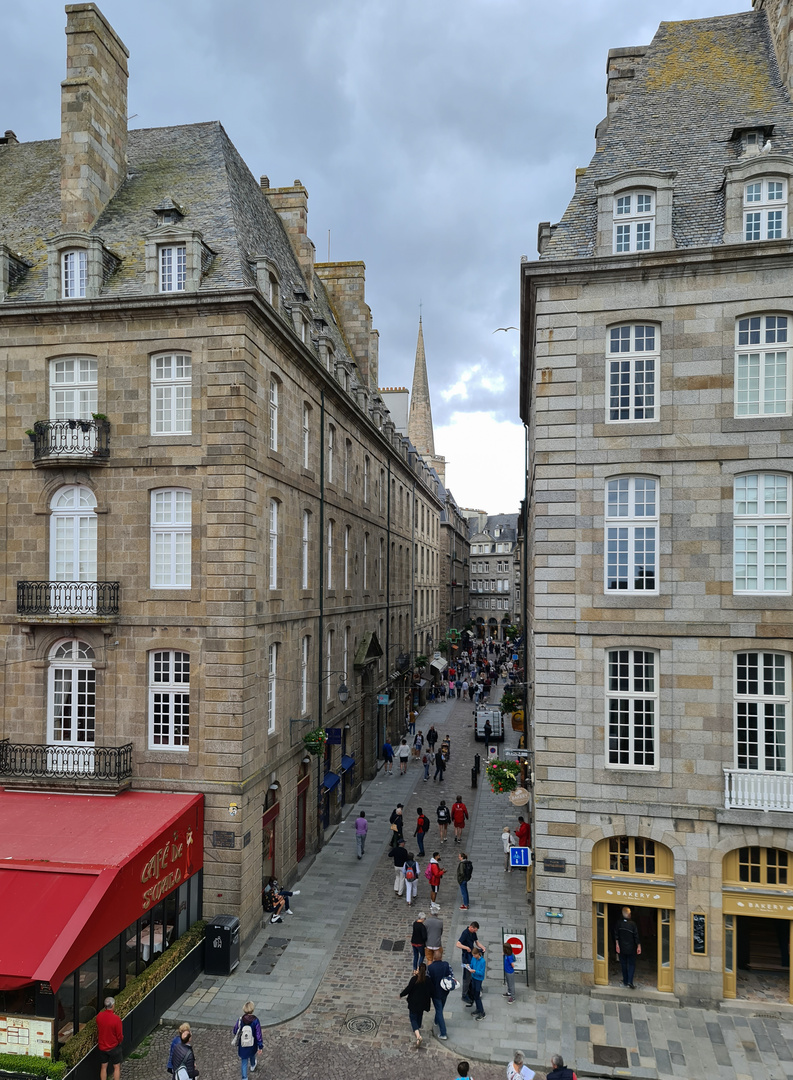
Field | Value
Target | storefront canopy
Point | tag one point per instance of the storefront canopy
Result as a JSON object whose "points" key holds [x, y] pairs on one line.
{"points": [[77, 870], [439, 664]]}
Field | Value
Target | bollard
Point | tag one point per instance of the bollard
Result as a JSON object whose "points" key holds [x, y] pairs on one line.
{"points": [[473, 775], [477, 764]]}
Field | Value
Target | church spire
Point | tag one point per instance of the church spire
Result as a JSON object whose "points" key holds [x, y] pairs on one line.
{"points": [[420, 430]]}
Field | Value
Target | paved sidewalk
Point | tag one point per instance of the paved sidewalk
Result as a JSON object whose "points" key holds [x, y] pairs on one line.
{"points": [[333, 963]]}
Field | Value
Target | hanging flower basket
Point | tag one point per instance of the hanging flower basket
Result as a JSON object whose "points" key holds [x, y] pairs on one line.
{"points": [[315, 741], [503, 775]]}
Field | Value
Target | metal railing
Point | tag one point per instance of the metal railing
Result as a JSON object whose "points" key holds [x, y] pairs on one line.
{"points": [[32, 761], [67, 597], [746, 789], [71, 438]]}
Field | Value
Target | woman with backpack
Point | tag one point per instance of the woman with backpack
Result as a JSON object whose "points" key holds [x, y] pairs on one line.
{"points": [[410, 872], [443, 815], [248, 1039], [183, 1058], [419, 995]]}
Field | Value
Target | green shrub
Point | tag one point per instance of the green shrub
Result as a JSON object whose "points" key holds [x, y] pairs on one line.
{"points": [[75, 1049], [36, 1066]]}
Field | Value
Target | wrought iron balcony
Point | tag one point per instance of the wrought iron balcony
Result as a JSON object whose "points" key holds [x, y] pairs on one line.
{"points": [[67, 598], [31, 761], [56, 440], [746, 789]]}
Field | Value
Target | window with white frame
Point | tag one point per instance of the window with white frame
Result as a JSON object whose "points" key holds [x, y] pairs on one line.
{"points": [[306, 435], [71, 699], [380, 562], [366, 479], [305, 549], [633, 360], [169, 700], [634, 221], [171, 539], [330, 554], [761, 533], [366, 560], [346, 556], [762, 366], [765, 209], [272, 673], [329, 665], [381, 491], [304, 649], [631, 541], [73, 388], [173, 267], [347, 464], [345, 655], [74, 273], [273, 543], [632, 709], [762, 712], [171, 394], [273, 414], [331, 451]]}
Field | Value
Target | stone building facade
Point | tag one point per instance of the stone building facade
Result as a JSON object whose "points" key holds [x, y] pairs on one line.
{"points": [[495, 589], [208, 518], [656, 387], [454, 582]]}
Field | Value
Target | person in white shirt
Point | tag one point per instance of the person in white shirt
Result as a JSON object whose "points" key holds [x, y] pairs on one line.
{"points": [[509, 840], [516, 1070]]}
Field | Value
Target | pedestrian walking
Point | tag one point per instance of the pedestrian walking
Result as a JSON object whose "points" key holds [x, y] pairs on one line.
{"points": [[465, 687], [464, 1071], [397, 822], [410, 872], [412, 721], [248, 1034], [418, 743], [175, 1042], [440, 765], [443, 817], [434, 924], [465, 869], [477, 966], [451, 689], [523, 833], [183, 1063], [466, 943], [422, 827], [459, 817], [418, 940], [432, 737], [434, 873], [458, 686], [110, 1038], [428, 761], [509, 973], [516, 1070], [446, 748], [403, 753], [399, 855], [559, 1070], [442, 982], [388, 758], [419, 998], [626, 942], [361, 829], [508, 840]]}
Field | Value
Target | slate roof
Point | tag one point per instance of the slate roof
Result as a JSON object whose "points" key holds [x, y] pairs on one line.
{"points": [[196, 166], [697, 82]]}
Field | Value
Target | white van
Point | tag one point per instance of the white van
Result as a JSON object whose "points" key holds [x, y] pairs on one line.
{"points": [[493, 714]]}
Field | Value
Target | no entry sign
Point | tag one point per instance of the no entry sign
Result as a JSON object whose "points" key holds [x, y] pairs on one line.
{"points": [[518, 943]]}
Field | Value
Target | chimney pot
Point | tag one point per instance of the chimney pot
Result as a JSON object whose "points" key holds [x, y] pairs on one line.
{"points": [[10, 137], [265, 183]]}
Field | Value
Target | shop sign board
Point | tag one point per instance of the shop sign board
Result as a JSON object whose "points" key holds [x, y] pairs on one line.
{"points": [[26, 1036]]}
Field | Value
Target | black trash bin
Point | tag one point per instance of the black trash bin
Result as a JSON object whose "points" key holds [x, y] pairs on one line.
{"points": [[222, 945]]}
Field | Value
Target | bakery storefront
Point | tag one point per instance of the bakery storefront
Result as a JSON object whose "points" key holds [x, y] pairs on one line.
{"points": [[93, 890]]}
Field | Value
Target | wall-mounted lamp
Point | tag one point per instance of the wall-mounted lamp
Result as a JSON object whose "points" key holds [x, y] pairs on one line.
{"points": [[343, 692], [307, 759], [274, 787], [554, 914], [346, 727]]}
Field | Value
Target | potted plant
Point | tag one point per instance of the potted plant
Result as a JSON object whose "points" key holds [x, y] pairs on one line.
{"points": [[315, 741], [98, 416], [31, 434], [502, 775]]}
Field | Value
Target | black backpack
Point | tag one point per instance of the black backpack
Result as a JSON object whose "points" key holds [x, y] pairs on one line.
{"points": [[425, 823], [444, 817], [468, 870]]}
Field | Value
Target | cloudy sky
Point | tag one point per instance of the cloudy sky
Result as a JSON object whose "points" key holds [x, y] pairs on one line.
{"points": [[432, 135]]}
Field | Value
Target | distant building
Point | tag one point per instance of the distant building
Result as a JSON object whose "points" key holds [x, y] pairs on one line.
{"points": [[495, 586]]}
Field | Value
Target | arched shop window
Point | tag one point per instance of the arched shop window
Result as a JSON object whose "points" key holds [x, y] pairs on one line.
{"points": [[632, 856], [769, 868]]}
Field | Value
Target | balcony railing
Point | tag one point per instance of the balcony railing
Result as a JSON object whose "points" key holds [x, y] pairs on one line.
{"points": [[32, 761], [753, 790], [67, 597], [54, 440]]}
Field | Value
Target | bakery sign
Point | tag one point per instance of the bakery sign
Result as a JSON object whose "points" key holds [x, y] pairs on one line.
{"points": [[740, 904], [609, 893]]}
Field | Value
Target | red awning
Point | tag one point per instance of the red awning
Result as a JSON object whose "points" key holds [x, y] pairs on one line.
{"points": [[76, 870]]}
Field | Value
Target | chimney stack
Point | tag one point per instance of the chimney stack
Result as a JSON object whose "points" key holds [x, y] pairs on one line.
{"points": [[780, 22], [291, 205], [345, 283], [93, 117]]}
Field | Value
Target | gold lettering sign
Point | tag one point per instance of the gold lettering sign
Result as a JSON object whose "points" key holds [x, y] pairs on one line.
{"points": [[157, 868], [756, 904]]}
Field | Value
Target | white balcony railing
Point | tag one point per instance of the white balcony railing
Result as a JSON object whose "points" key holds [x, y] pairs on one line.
{"points": [[752, 790]]}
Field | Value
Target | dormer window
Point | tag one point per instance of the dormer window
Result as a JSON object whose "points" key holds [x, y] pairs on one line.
{"points": [[173, 267], [168, 213], [634, 221], [765, 209], [74, 273]]}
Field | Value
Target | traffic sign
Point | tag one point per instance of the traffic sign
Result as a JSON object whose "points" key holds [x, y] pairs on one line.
{"points": [[520, 856], [518, 944]]}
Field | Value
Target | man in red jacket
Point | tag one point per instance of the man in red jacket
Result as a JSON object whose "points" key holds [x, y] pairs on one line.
{"points": [[459, 818], [110, 1036], [523, 833]]}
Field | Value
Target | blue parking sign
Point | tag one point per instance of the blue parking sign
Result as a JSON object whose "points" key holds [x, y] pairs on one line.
{"points": [[520, 856]]}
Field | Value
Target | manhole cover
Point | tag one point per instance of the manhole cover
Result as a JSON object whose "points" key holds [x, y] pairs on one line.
{"points": [[362, 1025], [615, 1057]]}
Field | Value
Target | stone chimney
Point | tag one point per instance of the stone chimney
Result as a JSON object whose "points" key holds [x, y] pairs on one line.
{"points": [[620, 71], [93, 117], [780, 23], [291, 205], [346, 285]]}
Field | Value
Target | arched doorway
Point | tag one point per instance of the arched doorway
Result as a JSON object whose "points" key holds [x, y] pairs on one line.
{"points": [[638, 873], [270, 812], [757, 907]]}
